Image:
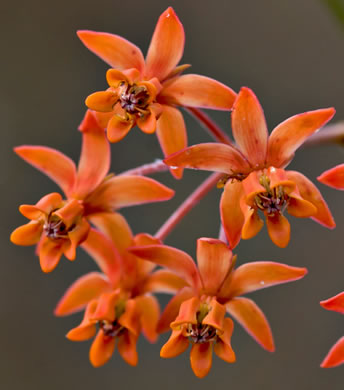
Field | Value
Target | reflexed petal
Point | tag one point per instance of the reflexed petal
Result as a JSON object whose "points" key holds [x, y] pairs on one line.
{"points": [[50, 252], [94, 161], [130, 318], [249, 127], [309, 191], [49, 203], [216, 315], [289, 135], [172, 258], [82, 291], [336, 355], [333, 177], [213, 259], [335, 303], [102, 101], [262, 274], [187, 313], [176, 345], [253, 223], [114, 77], [193, 90], [201, 359], [166, 47], [113, 49], [28, 234], [127, 348], [171, 133], [76, 237], [101, 349], [278, 229], [147, 123], [252, 187], [164, 281], [252, 319], [231, 215], [60, 168], [210, 157], [33, 212], [300, 208], [223, 348], [149, 309], [118, 128], [87, 328], [106, 307]]}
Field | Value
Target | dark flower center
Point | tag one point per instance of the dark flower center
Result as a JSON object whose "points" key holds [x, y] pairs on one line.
{"points": [[201, 333], [273, 201], [133, 98], [55, 228], [111, 329]]}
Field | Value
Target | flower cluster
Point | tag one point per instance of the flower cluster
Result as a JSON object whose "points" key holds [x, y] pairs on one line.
{"points": [[120, 302]]}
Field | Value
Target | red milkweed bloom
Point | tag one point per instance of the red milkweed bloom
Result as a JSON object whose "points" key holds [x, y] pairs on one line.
{"points": [[60, 224], [335, 357], [145, 92], [254, 176], [196, 314], [333, 177], [118, 301]]}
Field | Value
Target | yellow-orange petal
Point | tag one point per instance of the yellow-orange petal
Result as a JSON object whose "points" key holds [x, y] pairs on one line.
{"points": [[278, 229], [300, 208], [127, 348], [102, 101], [171, 133], [163, 281], [201, 359], [101, 349], [216, 316], [309, 191], [50, 252], [28, 234], [118, 127], [333, 177], [166, 47], [87, 328], [335, 303], [253, 223], [77, 236], [193, 90], [114, 77], [187, 313], [335, 357], [223, 348], [214, 260], [232, 217], [175, 345], [70, 212], [60, 168], [106, 304], [252, 319], [147, 122], [81, 292], [113, 49], [249, 127], [32, 212], [49, 203], [289, 135], [149, 312]]}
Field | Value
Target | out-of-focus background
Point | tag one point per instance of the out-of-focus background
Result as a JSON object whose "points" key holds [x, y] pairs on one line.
{"points": [[291, 54]]}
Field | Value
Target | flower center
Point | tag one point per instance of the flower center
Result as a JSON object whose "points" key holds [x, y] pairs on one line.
{"points": [[55, 228], [201, 333], [134, 98], [111, 329]]}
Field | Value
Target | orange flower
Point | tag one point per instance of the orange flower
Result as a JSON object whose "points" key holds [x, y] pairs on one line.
{"points": [[119, 300], [59, 225], [333, 177], [335, 357], [144, 92], [196, 314], [254, 178]]}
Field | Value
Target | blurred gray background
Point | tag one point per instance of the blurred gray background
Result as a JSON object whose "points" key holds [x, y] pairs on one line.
{"points": [[290, 52]]}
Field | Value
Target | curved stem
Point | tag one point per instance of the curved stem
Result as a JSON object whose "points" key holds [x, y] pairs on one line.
{"points": [[208, 124], [188, 204], [329, 134], [147, 169]]}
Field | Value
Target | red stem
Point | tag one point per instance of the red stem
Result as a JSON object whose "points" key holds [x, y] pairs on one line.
{"points": [[208, 124], [188, 204], [147, 169]]}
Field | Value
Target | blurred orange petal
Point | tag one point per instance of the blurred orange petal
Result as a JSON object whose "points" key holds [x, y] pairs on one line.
{"points": [[28, 234], [333, 177], [164, 281], [300, 208], [335, 303], [102, 101], [253, 223], [149, 310], [87, 328], [278, 229], [76, 237], [201, 359], [187, 313], [101, 349], [127, 348], [118, 128], [215, 317], [147, 123], [335, 357], [50, 252], [176, 345], [223, 348]]}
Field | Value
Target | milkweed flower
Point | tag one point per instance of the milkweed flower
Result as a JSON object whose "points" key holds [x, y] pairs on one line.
{"points": [[335, 357], [254, 177], [118, 301], [145, 92], [58, 225], [196, 314], [333, 177]]}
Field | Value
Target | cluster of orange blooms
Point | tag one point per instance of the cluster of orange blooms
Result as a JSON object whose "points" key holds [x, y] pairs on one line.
{"points": [[119, 302]]}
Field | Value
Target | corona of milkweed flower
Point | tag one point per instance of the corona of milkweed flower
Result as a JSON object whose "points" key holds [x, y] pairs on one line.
{"points": [[196, 314], [254, 176], [118, 301], [60, 224], [145, 92], [335, 357], [333, 177]]}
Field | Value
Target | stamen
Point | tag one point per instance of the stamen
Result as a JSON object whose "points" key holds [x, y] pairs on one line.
{"points": [[55, 228], [273, 201], [134, 98], [111, 329], [201, 333]]}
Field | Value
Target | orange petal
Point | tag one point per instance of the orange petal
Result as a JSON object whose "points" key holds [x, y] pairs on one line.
{"points": [[87, 328], [70, 212], [101, 349], [60, 168], [127, 348], [94, 161], [289, 135], [176, 345], [130, 318], [216, 315], [193, 90], [76, 237], [252, 187], [127, 190], [49, 203], [33, 212], [249, 127], [223, 348], [149, 310], [262, 274], [252, 319], [164, 281], [172, 258], [171, 133], [104, 253], [232, 217], [300, 208], [81, 292], [102, 101], [118, 128], [201, 359], [210, 157], [106, 307], [253, 223], [335, 303], [213, 259], [187, 313], [335, 357], [113, 49], [166, 47], [50, 252], [278, 229], [333, 177], [28, 234], [114, 77], [309, 191], [147, 123]]}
